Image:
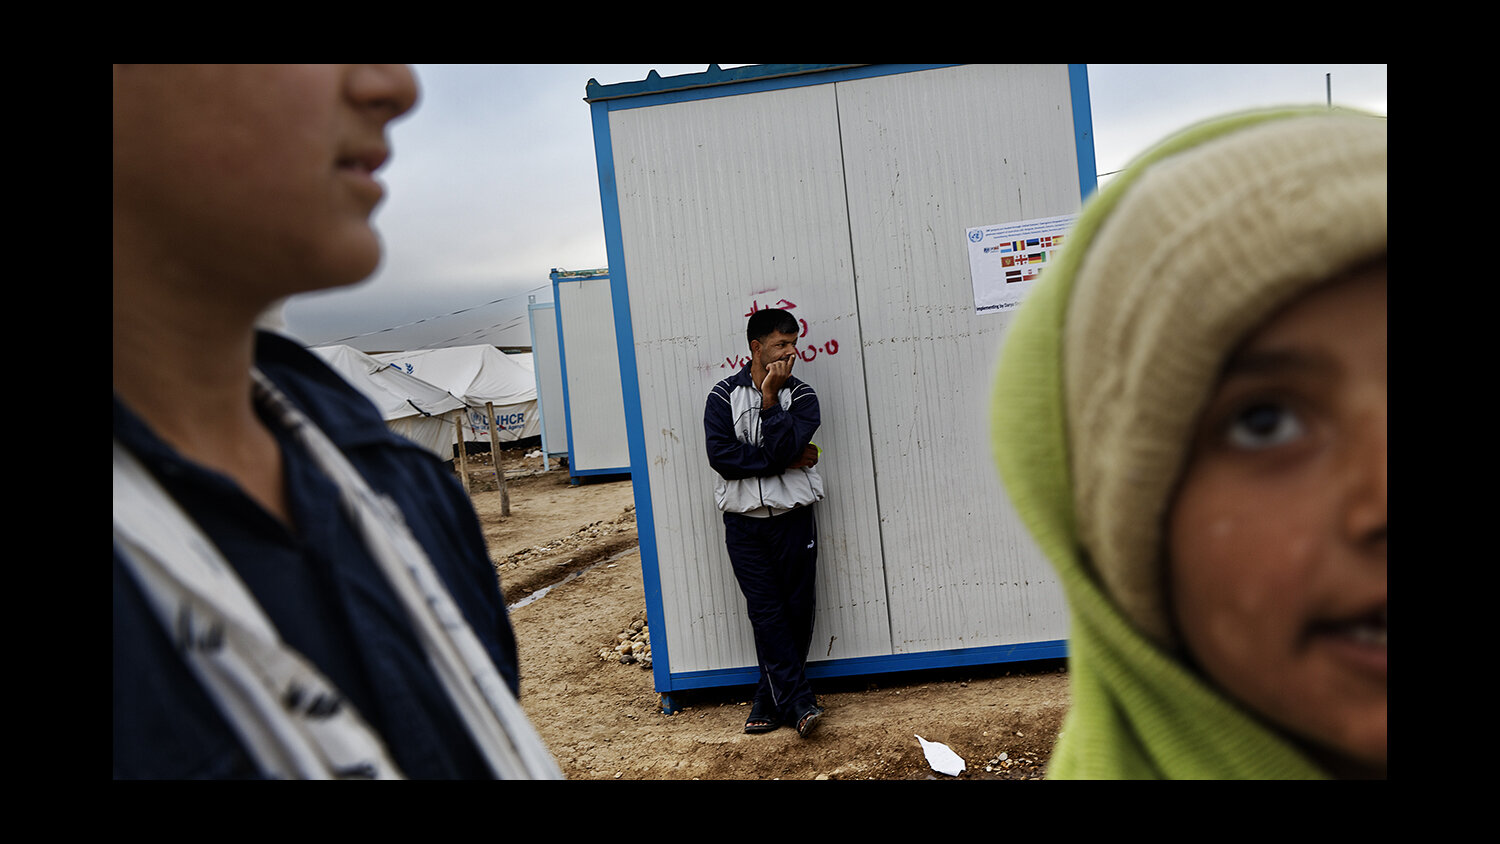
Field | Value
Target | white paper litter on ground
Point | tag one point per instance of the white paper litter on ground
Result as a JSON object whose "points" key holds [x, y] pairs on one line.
{"points": [[941, 757]]}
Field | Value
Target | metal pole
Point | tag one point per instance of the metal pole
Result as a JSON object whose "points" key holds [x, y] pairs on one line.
{"points": [[489, 409], [463, 460]]}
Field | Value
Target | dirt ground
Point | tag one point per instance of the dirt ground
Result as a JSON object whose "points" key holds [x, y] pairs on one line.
{"points": [[602, 719]]}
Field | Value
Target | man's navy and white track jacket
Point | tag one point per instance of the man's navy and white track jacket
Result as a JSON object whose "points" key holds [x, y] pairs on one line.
{"points": [[751, 448]]}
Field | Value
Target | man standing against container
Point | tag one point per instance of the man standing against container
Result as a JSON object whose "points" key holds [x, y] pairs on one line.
{"points": [[759, 425]]}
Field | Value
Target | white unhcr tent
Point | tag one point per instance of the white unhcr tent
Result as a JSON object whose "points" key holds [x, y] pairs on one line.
{"points": [[479, 375], [421, 412]]}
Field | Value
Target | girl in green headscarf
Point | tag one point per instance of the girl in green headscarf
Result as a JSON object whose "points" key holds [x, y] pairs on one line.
{"points": [[1190, 416]]}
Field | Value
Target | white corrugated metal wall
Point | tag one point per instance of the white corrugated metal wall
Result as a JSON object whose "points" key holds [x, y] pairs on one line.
{"points": [[735, 204], [846, 203], [596, 410], [928, 155], [546, 363]]}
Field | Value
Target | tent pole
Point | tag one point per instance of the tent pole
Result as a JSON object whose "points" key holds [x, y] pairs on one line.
{"points": [[489, 408], [463, 460]]}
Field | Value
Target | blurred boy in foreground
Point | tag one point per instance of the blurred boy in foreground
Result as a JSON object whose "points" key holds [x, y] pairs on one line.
{"points": [[298, 593]]}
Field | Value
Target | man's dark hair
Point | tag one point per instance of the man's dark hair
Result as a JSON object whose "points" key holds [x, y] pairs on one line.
{"points": [[764, 323]]}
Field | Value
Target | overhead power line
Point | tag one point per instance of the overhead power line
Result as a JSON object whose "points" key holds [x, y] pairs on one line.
{"points": [[458, 312]]}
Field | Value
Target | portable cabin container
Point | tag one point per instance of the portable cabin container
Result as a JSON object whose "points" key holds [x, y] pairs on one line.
{"points": [[593, 398], [872, 202], [546, 358]]}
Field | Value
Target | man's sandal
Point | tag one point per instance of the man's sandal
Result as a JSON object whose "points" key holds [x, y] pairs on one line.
{"points": [[762, 719], [808, 720]]}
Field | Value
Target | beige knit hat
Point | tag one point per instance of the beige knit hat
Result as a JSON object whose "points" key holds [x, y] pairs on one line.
{"points": [[1203, 245]]}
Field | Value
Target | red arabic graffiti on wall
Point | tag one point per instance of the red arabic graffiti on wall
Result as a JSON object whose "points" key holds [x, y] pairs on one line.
{"points": [[808, 352]]}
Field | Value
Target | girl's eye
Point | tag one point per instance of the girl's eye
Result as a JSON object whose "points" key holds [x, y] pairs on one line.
{"points": [[1262, 426]]}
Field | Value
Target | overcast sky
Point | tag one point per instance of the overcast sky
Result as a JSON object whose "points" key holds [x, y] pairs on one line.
{"points": [[492, 183]]}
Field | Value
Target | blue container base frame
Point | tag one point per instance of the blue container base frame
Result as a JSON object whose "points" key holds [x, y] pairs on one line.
{"points": [[871, 665], [597, 476]]}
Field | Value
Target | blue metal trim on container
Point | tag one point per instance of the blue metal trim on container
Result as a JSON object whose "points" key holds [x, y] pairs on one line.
{"points": [[1083, 129], [882, 664], [584, 473], [704, 86], [713, 83], [858, 667], [714, 75], [630, 386]]}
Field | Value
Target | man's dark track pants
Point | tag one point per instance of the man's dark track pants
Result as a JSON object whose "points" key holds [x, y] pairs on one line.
{"points": [[775, 562]]}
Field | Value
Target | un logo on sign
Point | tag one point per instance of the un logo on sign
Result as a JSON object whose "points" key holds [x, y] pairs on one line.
{"points": [[976, 235]]}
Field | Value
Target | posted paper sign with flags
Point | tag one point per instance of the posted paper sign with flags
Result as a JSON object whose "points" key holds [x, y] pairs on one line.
{"points": [[1004, 259]]}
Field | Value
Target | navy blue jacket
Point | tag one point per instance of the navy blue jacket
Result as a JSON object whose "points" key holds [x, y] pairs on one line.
{"points": [[750, 447], [318, 585]]}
